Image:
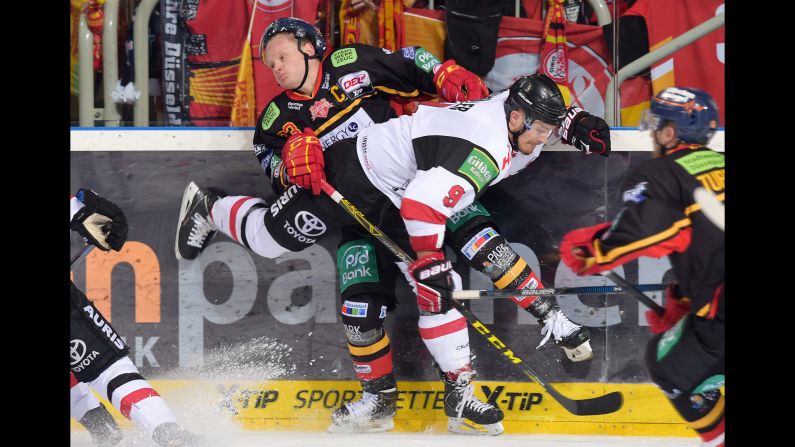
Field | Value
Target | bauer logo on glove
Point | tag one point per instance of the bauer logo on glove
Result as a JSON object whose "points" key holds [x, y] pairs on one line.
{"points": [[586, 132]]}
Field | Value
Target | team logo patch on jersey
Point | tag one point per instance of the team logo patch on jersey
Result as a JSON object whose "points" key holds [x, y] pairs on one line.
{"points": [[477, 241], [479, 168], [320, 108], [270, 116], [425, 60], [356, 84], [635, 194], [343, 56], [354, 309]]}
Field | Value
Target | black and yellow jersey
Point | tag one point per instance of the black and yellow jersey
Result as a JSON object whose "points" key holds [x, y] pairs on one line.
{"points": [[660, 217], [355, 84]]}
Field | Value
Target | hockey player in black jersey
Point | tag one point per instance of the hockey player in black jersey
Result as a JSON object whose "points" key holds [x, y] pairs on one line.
{"points": [[99, 357], [661, 217], [428, 166]]}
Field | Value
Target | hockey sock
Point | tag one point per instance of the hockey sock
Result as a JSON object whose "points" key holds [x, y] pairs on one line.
{"points": [[372, 361], [704, 414], [446, 337], [81, 399], [229, 215], [132, 395]]}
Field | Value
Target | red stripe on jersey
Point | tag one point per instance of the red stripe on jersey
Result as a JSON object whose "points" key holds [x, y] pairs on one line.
{"points": [[133, 398], [715, 432], [429, 333], [233, 217], [378, 367], [425, 243], [72, 380], [413, 210]]}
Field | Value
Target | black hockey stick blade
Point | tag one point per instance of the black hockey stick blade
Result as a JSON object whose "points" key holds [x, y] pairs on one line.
{"points": [[608, 403]]}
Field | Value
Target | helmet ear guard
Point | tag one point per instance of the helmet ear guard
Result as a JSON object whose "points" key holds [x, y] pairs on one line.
{"points": [[691, 111]]}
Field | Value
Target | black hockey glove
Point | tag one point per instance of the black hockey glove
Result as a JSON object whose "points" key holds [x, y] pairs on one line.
{"points": [[586, 132], [100, 221]]}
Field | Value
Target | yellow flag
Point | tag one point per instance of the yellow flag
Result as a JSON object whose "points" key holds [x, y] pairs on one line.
{"points": [[244, 105]]}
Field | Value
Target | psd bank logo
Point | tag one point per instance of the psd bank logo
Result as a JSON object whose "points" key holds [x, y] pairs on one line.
{"points": [[309, 224], [77, 350]]}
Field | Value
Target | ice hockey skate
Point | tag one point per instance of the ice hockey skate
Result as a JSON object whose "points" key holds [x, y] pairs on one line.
{"points": [[102, 427], [170, 434], [195, 229], [466, 414], [573, 338], [373, 413]]}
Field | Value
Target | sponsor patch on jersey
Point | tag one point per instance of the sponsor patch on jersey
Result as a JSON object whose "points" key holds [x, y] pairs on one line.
{"points": [[320, 108], [356, 264], [425, 60], [670, 338], [326, 82], [343, 56], [347, 129], [276, 163], [455, 221], [479, 168], [295, 105], [382, 315], [270, 116], [701, 161], [362, 368], [408, 52], [478, 241], [354, 309], [356, 84], [635, 194]]}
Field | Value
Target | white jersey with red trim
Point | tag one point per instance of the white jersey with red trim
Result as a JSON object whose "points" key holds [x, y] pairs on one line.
{"points": [[437, 161]]}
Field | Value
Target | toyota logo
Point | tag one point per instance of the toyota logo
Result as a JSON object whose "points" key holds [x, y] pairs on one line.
{"points": [[77, 350], [309, 225]]}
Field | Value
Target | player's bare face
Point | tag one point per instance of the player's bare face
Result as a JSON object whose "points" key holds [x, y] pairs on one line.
{"points": [[537, 133], [285, 61]]}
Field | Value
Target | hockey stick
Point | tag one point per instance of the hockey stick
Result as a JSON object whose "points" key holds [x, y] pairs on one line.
{"points": [[86, 248], [607, 403], [588, 290], [711, 206], [651, 304]]}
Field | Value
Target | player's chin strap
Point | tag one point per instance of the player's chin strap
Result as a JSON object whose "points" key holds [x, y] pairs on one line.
{"points": [[306, 66]]}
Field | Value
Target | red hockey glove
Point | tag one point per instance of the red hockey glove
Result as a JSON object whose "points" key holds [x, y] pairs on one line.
{"points": [[303, 160], [675, 309], [455, 83], [586, 132], [576, 249], [433, 275]]}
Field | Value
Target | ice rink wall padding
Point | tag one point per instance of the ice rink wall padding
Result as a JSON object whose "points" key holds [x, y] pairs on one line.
{"points": [[243, 329]]}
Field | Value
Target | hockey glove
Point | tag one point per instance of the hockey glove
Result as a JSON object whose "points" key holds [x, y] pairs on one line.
{"points": [[100, 221], [455, 83], [586, 132], [433, 275], [675, 309], [576, 249], [303, 160]]}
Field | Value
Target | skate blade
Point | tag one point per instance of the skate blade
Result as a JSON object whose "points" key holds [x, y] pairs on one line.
{"points": [[580, 353], [463, 426], [190, 191], [376, 426]]}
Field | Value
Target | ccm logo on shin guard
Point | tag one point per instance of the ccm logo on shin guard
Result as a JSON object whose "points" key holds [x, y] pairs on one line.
{"points": [[104, 327], [435, 270]]}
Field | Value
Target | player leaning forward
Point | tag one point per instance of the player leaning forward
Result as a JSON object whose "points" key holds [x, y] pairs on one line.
{"points": [[428, 165]]}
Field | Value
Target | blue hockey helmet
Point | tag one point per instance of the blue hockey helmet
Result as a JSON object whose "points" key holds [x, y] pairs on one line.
{"points": [[692, 111], [298, 28]]}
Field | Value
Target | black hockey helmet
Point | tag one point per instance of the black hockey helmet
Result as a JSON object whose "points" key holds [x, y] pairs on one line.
{"points": [[539, 97], [298, 28]]}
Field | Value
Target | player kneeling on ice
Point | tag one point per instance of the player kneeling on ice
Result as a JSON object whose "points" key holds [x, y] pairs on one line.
{"points": [[99, 356], [661, 217], [409, 175]]}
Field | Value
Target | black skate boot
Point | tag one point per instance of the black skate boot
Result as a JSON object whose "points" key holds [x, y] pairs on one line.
{"points": [[170, 434], [466, 414], [194, 229], [372, 413], [102, 427], [573, 338]]}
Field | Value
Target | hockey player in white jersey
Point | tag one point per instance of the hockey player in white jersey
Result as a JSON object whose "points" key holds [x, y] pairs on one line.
{"points": [[429, 166]]}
